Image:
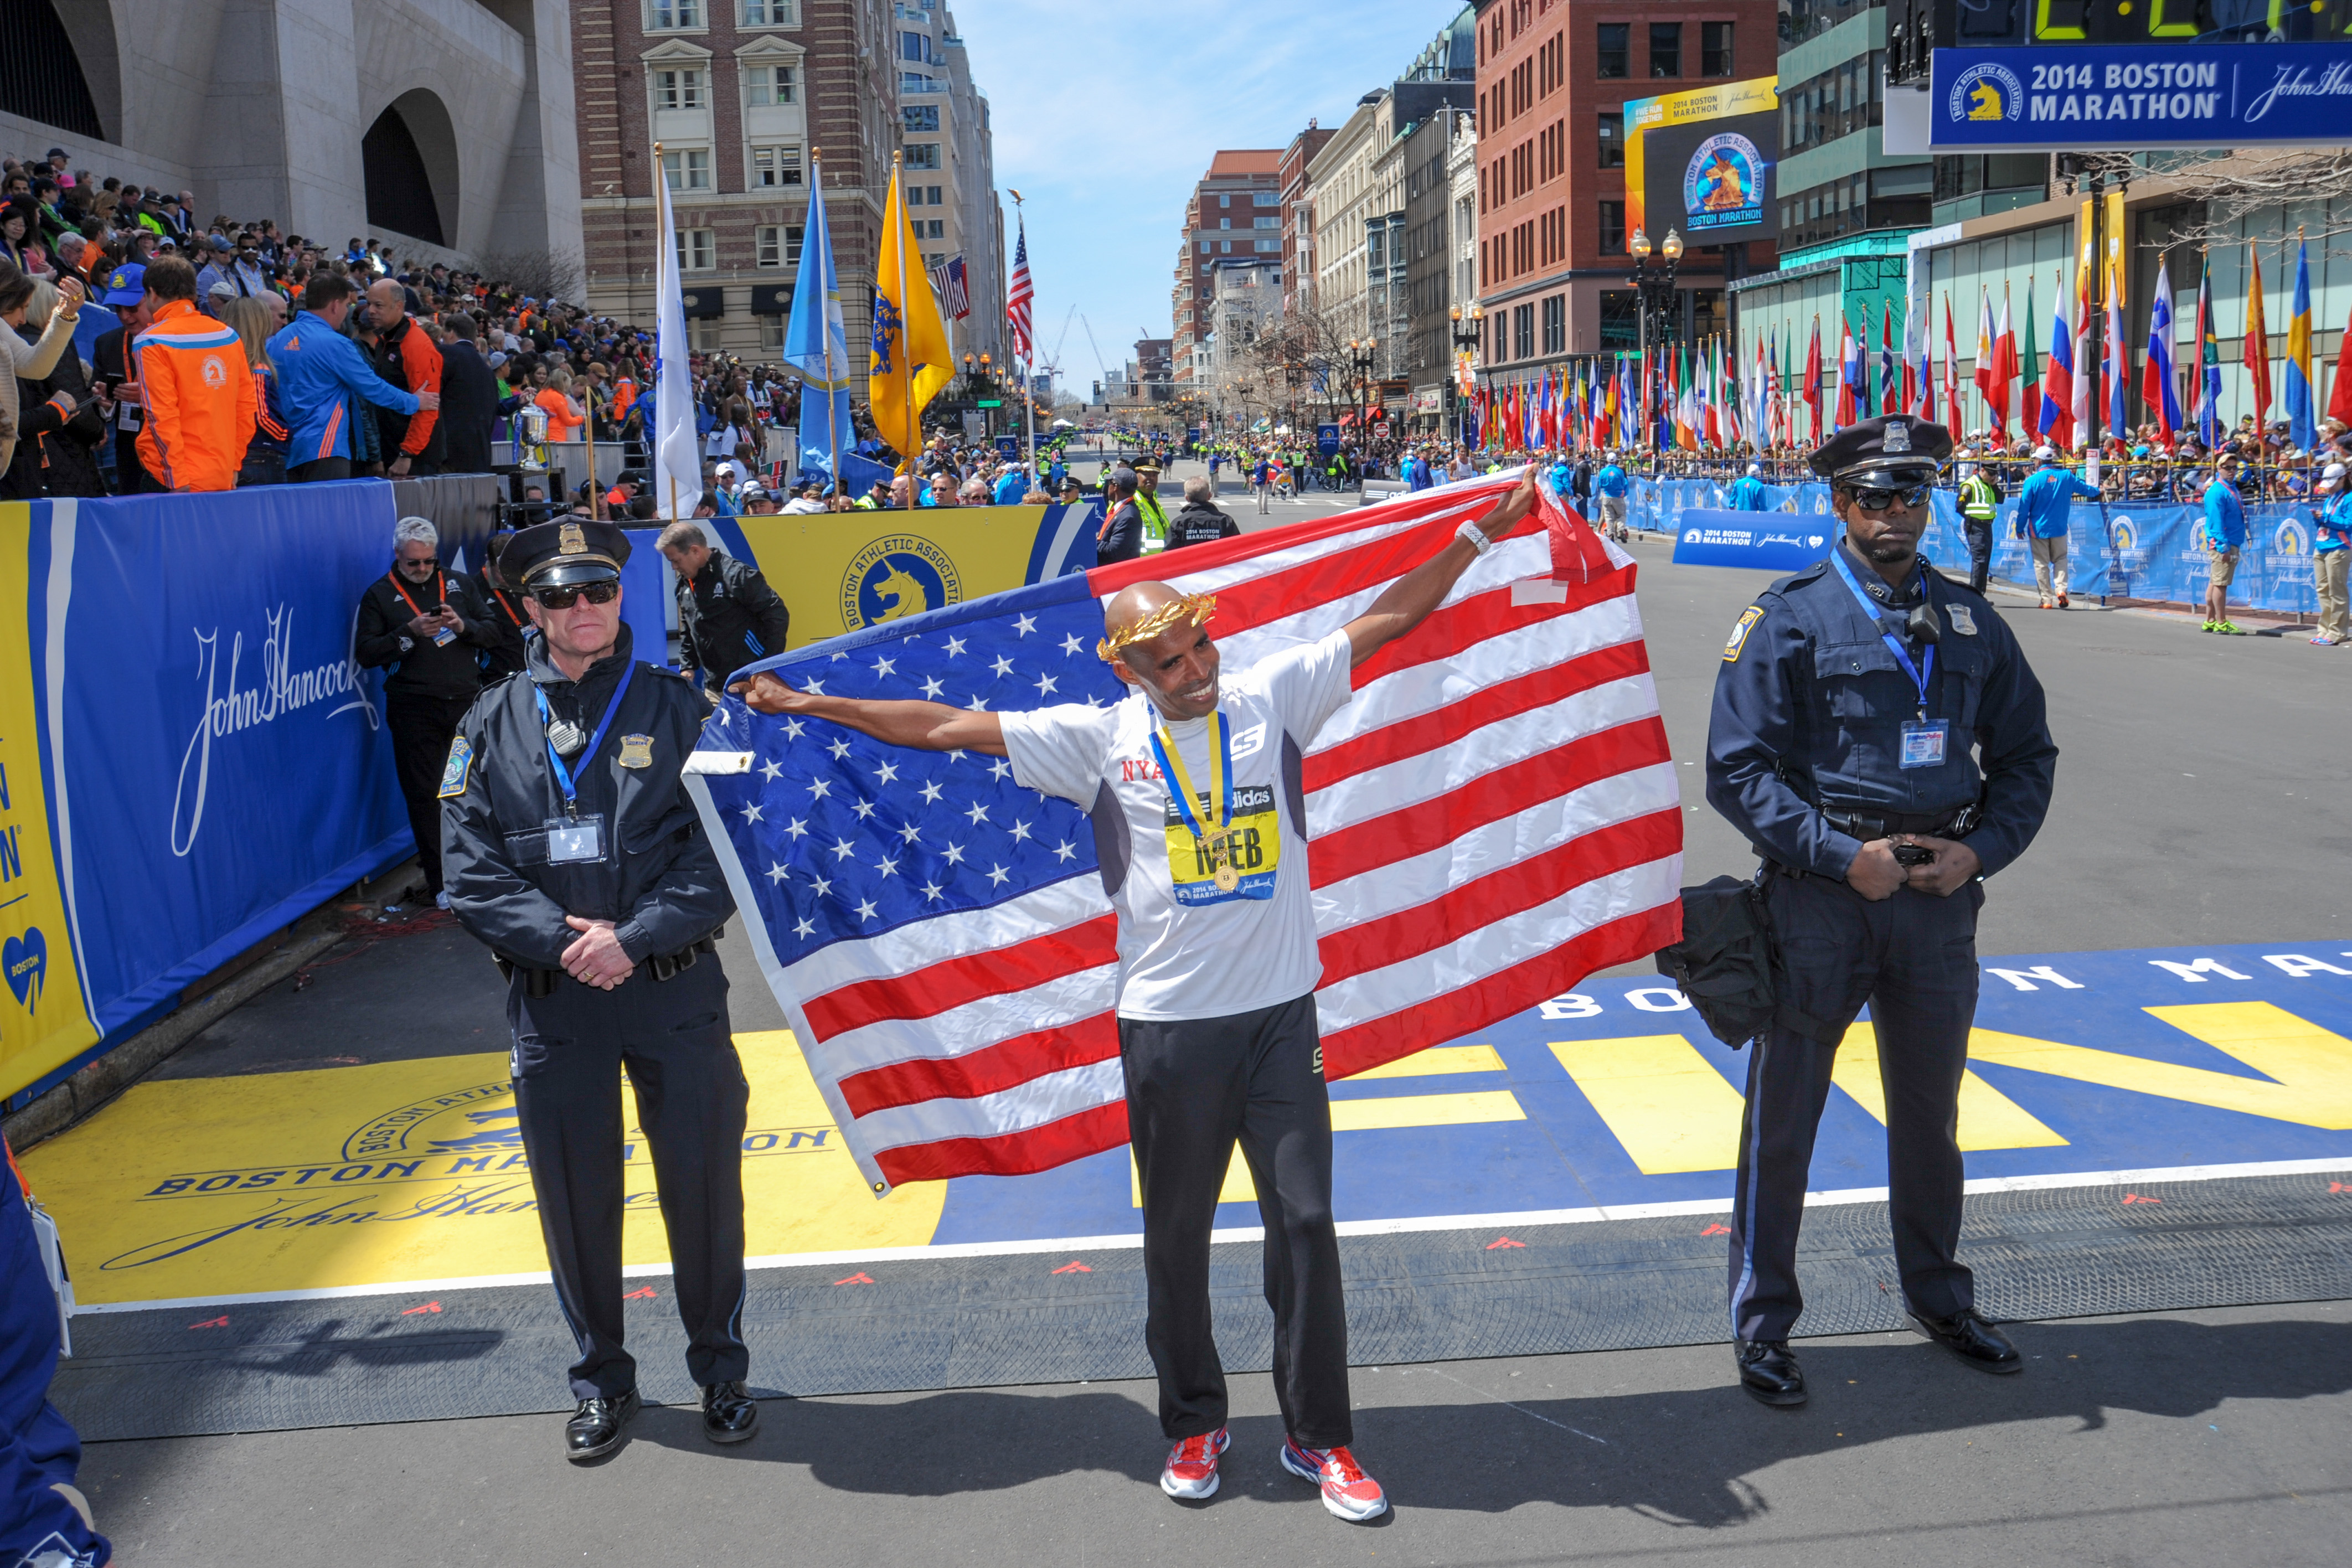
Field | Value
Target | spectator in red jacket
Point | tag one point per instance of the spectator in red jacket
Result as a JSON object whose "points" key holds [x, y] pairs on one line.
{"points": [[406, 357]]}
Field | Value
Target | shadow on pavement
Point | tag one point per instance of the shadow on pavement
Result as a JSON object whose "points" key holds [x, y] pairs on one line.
{"points": [[1679, 1456]]}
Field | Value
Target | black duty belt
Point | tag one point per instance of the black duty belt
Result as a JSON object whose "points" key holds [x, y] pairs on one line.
{"points": [[1867, 825], [661, 967]]}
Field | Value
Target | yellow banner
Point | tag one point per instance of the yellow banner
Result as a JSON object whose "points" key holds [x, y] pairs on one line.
{"points": [[841, 571], [43, 1022], [407, 1171]]}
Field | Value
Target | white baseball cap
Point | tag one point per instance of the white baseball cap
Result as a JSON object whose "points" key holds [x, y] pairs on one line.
{"points": [[2043, 454]]}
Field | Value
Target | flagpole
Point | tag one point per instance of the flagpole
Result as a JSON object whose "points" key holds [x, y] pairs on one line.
{"points": [[1028, 361], [662, 174]]}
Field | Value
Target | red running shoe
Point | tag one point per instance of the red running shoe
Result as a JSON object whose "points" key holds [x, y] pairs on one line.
{"points": [[1347, 1492], [1192, 1471]]}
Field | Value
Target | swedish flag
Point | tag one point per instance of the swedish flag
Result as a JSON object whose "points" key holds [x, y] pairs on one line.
{"points": [[910, 360]]}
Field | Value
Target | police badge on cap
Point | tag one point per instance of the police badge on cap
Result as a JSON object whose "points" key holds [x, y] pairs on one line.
{"points": [[1894, 450], [565, 553]]}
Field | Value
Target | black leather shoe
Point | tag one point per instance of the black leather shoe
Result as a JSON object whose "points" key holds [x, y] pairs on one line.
{"points": [[599, 1425], [1969, 1337], [729, 1414], [1769, 1371]]}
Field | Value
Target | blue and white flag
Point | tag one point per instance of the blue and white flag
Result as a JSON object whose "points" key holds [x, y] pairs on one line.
{"points": [[815, 344], [677, 455]]}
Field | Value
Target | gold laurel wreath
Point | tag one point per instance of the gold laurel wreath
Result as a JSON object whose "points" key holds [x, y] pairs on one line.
{"points": [[1195, 608]]}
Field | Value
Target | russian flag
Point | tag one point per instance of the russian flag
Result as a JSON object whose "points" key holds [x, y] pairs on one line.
{"points": [[2058, 379]]}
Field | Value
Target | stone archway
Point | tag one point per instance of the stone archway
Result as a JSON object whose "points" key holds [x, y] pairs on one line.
{"points": [[409, 162]]}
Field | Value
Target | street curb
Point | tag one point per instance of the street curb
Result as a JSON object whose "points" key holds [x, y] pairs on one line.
{"points": [[91, 1088]]}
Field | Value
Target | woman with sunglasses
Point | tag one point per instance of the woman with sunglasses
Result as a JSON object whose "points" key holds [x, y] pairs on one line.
{"points": [[1878, 735]]}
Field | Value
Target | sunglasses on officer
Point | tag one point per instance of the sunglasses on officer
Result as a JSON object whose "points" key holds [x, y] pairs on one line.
{"points": [[1872, 498], [603, 593]]}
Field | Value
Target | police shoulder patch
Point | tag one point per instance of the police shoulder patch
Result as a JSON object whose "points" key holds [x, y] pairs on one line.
{"points": [[1748, 619], [460, 764], [1964, 619]]}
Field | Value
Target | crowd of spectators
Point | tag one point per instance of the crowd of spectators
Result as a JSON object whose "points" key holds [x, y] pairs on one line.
{"points": [[303, 360]]}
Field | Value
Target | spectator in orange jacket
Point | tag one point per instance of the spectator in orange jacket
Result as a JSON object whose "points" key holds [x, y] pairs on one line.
{"points": [[196, 387], [406, 357]]}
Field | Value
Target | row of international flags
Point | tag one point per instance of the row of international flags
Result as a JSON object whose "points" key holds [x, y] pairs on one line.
{"points": [[1700, 399]]}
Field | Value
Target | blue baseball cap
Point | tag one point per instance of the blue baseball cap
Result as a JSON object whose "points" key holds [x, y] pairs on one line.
{"points": [[126, 285]]}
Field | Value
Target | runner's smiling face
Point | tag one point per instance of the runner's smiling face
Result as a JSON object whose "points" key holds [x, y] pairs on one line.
{"points": [[1178, 668]]}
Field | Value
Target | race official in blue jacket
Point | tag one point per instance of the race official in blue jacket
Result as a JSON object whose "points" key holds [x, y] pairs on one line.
{"points": [[2225, 536], [1747, 493], [2042, 511], [318, 370]]}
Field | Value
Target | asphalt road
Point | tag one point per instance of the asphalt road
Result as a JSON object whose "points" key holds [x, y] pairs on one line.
{"points": [[2195, 803]]}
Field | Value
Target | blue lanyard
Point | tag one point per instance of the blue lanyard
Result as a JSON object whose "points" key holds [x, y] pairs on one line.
{"points": [[1223, 734], [562, 775], [1919, 677]]}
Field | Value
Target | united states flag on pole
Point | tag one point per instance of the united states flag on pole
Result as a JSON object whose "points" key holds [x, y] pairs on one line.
{"points": [[947, 282], [1017, 294], [1493, 816]]}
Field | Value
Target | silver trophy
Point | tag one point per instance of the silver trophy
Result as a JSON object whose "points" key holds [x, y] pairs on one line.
{"points": [[531, 430]]}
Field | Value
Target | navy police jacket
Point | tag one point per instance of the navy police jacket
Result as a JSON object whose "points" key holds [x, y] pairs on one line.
{"points": [[659, 881], [1809, 706]]}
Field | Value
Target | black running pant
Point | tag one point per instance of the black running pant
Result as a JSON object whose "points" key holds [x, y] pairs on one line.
{"points": [[1193, 1088], [673, 1037]]}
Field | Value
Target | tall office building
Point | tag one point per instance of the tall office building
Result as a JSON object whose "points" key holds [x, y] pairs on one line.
{"points": [[1553, 78], [1236, 212], [741, 94]]}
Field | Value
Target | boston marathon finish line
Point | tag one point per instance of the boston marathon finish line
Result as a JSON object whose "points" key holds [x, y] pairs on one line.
{"points": [[2087, 1069]]}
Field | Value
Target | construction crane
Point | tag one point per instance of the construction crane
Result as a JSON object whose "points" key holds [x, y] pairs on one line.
{"points": [[1052, 366], [1101, 364]]}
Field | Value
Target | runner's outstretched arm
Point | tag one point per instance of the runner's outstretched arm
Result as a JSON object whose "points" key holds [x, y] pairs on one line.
{"points": [[921, 726], [1409, 600]]}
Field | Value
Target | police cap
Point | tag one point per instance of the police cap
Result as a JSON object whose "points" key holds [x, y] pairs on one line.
{"points": [[565, 553], [1894, 450]]}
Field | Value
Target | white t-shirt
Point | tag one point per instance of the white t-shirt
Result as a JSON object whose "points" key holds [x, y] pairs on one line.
{"points": [[1187, 949]]}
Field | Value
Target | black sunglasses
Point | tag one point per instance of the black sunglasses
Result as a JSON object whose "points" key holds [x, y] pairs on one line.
{"points": [[603, 593], [1870, 497]]}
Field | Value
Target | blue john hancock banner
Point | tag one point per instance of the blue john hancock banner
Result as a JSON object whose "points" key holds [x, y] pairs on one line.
{"points": [[1772, 541], [1493, 817], [2060, 97]]}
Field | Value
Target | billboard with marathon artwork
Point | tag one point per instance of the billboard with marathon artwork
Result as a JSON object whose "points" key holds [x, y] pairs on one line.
{"points": [[1701, 161]]}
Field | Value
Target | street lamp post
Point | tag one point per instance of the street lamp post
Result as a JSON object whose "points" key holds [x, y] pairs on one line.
{"points": [[1469, 326], [1361, 355], [1652, 295]]}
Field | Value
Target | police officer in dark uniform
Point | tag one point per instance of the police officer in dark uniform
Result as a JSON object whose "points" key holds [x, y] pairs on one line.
{"points": [[504, 618], [573, 852], [1879, 737], [728, 616], [1120, 538]]}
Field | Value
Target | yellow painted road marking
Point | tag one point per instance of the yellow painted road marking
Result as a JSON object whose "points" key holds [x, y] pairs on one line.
{"points": [[1396, 1111], [1663, 1102], [2312, 1066], [1436, 1061], [1989, 1118], [158, 1196]]}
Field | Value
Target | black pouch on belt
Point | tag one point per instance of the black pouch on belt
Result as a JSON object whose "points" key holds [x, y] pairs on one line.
{"points": [[1723, 964]]}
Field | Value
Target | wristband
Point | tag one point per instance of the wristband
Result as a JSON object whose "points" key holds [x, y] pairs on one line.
{"points": [[1475, 536]]}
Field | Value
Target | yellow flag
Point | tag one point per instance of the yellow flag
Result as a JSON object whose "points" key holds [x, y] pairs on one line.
{"points": [[910, 360]]}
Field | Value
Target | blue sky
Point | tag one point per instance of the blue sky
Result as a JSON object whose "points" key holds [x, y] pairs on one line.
{"points": [[1105, 114]]}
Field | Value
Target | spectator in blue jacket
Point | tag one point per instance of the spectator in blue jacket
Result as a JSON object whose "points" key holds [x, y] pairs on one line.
{"points": [[318, 370], [1747, 493], [1011, 486], [1611, 485], [2331, 518], [2225, 535], [2042, 509]]}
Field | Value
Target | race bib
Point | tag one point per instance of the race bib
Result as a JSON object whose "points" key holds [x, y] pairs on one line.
{"points": [[1255, 857]]}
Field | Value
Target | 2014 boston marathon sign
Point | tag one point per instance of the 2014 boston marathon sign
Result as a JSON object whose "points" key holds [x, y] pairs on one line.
{"points": [[2066, 98]]}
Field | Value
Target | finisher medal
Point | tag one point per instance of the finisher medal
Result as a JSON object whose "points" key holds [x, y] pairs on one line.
{"points": [[1214, 835]]}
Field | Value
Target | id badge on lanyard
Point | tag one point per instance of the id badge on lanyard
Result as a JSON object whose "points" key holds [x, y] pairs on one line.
{"points": [[574, 839], [1926, 741]]}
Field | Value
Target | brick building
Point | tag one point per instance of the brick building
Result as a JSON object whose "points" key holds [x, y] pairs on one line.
{"points": [[1234, 211], [1299, 218], [741, 94], [1553, 78]]}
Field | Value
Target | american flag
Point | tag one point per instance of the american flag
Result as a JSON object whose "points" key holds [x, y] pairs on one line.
{"points": [[1018, 294], [1493, 816], [947, 281]]}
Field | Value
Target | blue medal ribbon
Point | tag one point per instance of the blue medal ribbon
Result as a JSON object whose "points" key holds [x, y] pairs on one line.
{"points": [[1180, 787], [563, 779], [1919, 677]]}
